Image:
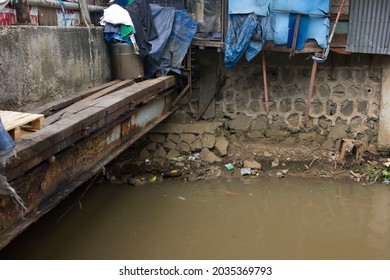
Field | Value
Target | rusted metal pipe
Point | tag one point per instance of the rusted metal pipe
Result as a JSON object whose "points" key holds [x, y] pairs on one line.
{"points": [[311, 87], [67, 5], [265, 83]]}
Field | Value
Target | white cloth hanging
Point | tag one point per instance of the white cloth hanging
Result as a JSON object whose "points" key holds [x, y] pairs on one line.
{"points": [[115, 14]]}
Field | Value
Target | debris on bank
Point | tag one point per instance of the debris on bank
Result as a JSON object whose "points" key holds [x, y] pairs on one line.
{"points": [[272, 159]]}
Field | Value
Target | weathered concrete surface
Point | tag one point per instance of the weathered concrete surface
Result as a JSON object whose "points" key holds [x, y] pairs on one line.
{"points": [[41, 64], [384, 123]]}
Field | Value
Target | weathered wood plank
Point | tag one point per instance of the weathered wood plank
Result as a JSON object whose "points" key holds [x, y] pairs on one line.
{"points": [[84, 102], [309, 47], [56, 105], [45, 143]]}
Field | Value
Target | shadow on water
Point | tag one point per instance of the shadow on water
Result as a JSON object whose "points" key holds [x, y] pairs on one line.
{"points": [[266, 218]]}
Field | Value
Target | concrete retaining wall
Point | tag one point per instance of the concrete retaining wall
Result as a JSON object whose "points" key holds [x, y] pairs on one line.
{"points": [[42, 64]]}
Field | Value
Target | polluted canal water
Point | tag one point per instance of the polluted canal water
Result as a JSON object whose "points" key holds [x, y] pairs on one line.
{"points": [[265, 218]]}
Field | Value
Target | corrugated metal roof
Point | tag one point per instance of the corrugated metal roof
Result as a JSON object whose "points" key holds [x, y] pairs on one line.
{"points": [[369, 27]]}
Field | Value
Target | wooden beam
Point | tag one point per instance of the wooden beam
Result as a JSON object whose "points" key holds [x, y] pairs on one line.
{"points": [[309, 47], [56, 105], [88, 99], [54, 138]]}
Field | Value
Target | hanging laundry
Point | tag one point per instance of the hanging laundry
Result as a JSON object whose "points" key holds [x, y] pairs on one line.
{"points": [[163, 18], [183, 31], [244, 35], [115, 14], [145, 29], [118, 26], [123, 3]]}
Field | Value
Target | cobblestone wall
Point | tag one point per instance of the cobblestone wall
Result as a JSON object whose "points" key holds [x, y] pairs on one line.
{"points": [[345, 104], [345, 101]]}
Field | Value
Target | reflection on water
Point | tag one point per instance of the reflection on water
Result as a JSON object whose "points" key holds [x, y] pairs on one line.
{"points": [[267, 218]]}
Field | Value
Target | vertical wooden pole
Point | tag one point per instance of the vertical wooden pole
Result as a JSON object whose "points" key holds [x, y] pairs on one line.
{"points": [[265, 82]]}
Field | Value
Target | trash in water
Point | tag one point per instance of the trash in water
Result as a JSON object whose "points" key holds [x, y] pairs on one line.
{"points": [[135, 181], [153, 179], [229, 166], [194, 156], [245, 171], [177, 158], [231, 193], [181, 198]]}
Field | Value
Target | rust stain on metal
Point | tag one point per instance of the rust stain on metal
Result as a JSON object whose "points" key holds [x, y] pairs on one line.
{"points": [[73, 166]]}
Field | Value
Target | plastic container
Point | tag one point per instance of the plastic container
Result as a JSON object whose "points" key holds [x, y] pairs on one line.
{"points": [[125, 63]]}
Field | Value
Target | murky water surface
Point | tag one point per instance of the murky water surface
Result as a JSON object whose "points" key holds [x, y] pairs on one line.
{"points": [[266, 218]]}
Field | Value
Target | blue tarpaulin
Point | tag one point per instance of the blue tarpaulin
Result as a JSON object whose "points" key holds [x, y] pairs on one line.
{"points": [[316, 7], [275, 21], [259, 7], [163, 18]]}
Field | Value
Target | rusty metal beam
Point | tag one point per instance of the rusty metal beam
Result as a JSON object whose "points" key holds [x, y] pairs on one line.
{"points": [[52, 178], [79, 123]]}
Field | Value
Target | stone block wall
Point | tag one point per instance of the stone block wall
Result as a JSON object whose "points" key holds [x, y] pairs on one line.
{"points": [[344, 104]]}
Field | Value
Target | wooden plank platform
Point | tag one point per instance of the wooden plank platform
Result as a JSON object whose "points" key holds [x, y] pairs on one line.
{"points": [[15, 122]]}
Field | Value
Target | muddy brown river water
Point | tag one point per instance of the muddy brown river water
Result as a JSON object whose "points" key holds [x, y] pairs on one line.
{"points": [[267, 218]]}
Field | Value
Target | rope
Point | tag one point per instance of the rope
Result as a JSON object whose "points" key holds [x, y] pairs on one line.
{"points": [[6, 189], [62, 4]]}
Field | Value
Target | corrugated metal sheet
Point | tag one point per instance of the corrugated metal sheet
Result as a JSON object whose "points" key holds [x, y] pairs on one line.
{"points": [[369, 27]]}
